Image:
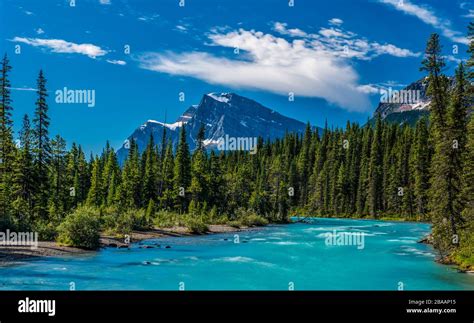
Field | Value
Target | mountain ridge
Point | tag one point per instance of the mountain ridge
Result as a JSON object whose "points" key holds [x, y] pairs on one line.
{"points": [[224, 115]]}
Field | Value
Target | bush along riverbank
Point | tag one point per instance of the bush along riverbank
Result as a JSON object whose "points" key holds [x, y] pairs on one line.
{"points": [[85, 226]]}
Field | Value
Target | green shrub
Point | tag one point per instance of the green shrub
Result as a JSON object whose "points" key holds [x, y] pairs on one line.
{"points": [[235, 224], [108, 219], [47, 230], [150, 210], [140, 220], [464, 255], [252, 220], [80, 229], [132, 220], [196, 225], [249, 218], [165, 219]]}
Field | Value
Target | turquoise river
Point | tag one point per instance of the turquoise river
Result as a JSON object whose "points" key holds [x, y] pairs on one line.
{"points": [[379, 256]]}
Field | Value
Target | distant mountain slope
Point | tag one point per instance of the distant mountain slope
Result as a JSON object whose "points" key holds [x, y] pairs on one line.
{"points": [[406, 110], [222, 114], [415, 99]]}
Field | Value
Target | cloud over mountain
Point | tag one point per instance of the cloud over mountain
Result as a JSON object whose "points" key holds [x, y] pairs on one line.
{"points": [[309, 65]]}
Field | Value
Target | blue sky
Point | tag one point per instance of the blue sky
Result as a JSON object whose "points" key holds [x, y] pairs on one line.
{"points": [[335, 56]]}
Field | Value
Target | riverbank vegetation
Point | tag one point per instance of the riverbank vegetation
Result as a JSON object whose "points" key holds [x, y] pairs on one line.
{"points": [[378, 170]]}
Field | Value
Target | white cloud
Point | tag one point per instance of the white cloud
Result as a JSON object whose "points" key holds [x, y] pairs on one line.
{"points": [[452, 58], [149, 18], [470, 14], [369, 89], [310, 65], [105, 2], [62, 46], [23, 89], [393, 50], [429, 17], [273, 64], [39, 31], [336, 22], [379, 88], [347, 44], [181, 28], [116, 62], [332, 32], [295, 32]]}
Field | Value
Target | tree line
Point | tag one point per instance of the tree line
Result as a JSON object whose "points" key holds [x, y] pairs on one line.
{"points": [[378, 170]]}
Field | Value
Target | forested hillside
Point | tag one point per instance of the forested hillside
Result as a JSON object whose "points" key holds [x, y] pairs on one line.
{"points": [[379, 171]]}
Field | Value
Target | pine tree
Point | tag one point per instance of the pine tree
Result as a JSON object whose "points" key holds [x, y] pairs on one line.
{"points": [[131, 186], [216, 183], [7, 148], [364, 171], [182, 172], [58, 176], [374, 199], [23, 184], [406, 187], [199, 187], [316, 201], [421, 165], [41, 149], [110, 178], [150, 175], [470, 61], [167, 175], [442, 194], [304, 164], [78, 176], [95, 196], [457, 129], [433, 64], [279, 189], [465, 253]]}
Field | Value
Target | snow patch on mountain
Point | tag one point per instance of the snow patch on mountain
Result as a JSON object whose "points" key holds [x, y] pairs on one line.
{"points": [[221, 97], [171, 126]]}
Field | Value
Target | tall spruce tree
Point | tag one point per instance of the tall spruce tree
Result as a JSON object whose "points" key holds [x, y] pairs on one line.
{"points": [[23, 178], [199, 187], [7, 148], [95, 196], [131, 184], [374, 190], [421, 164], [167, 176], [442, 193], [58, 178], [182, 172], [150, 172], [41, 149]]}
